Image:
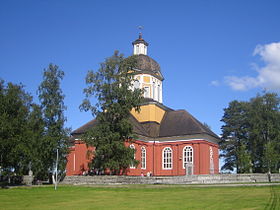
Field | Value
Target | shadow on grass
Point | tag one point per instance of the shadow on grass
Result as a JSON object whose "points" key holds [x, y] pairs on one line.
{"points": [[274, 202]]}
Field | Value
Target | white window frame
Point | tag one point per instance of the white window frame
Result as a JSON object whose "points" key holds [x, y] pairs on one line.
{"points": [[131, 165], [167, 158], [187, 155], [147, 92], [158, 99], [211, 157], [143, 157]]}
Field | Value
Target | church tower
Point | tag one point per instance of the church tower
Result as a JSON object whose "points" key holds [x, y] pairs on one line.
{"points": [[148, 75]]}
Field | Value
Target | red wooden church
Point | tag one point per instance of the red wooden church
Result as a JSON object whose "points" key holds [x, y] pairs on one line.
{"points": [[169, 142]]}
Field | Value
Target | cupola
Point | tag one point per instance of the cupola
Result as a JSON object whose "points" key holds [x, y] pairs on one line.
{"points": [[148, 74], [140, 46]]}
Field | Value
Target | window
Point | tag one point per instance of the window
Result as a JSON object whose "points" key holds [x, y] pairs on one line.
{"points": [[143, 158], [154, 90], [137, 49], [167, 158], [187, 156], [132, 147], [159, 93], [211, 160], [146, 92], [136, 84]]}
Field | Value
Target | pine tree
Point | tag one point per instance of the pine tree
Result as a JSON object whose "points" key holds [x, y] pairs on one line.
{"points": [[235, 133]]}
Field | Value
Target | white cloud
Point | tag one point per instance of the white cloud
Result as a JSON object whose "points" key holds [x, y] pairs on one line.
{"points": [[215, 83], [242, 83], [268, 76]]}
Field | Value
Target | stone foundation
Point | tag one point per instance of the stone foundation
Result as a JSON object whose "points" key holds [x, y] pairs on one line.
{"points": [[193, 179]]}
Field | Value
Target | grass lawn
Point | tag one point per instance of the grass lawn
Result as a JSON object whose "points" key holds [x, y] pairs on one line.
{"points": [[141, 197]]}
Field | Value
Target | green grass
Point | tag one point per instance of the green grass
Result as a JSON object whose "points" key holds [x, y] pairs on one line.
{"points": [[141, 197]]}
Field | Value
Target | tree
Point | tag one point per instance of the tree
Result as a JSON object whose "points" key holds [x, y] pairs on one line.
{"points": [[235, 134], [36, 137], [56, 135], [271, 157], [251, 133], [264, 126], [116, 97], [14, 113], [243, 159]]}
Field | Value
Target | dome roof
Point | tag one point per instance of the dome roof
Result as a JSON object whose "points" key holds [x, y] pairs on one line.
{"points": [[146, 64]]}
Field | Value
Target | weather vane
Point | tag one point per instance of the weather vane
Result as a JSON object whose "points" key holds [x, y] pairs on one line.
{"points": [[140, 29]]}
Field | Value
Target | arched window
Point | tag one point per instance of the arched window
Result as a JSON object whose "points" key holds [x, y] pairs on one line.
{"points": [[136, 84], [167, 158], [132, 147], [187, 155], [143, 158]]}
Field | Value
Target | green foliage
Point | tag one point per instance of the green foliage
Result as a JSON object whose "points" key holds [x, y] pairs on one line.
{"points": [[16, 138], [36, 138], [29, 133], [252, 128], [271, 157], [14, 107], [243, 159], [112, 86], [52, 105], [265, 126], [235, 133]]}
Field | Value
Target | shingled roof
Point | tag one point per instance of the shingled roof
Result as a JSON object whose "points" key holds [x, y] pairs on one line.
{"points": [[179, 124]]}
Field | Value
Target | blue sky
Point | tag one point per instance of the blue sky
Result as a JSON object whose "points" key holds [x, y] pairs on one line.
{"points": [[210, 52]]}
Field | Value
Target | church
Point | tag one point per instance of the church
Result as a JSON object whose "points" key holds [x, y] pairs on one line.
{"points": [[169, 142]]}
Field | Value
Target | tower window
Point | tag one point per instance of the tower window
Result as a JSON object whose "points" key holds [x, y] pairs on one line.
{"points": [[146, 92], [136, 84], [159, 93]]}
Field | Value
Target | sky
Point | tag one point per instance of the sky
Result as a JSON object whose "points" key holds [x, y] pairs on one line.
{"points": [[210, 52]]}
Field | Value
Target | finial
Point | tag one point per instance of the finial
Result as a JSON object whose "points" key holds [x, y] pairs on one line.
{"points": [[140, 31]]}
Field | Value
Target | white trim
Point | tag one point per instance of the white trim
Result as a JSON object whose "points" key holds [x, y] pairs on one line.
{"points": [[162, 160], [178, 140], [211, 157], [145, 157], [74, 167], [132, 147], [147, 92]]}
